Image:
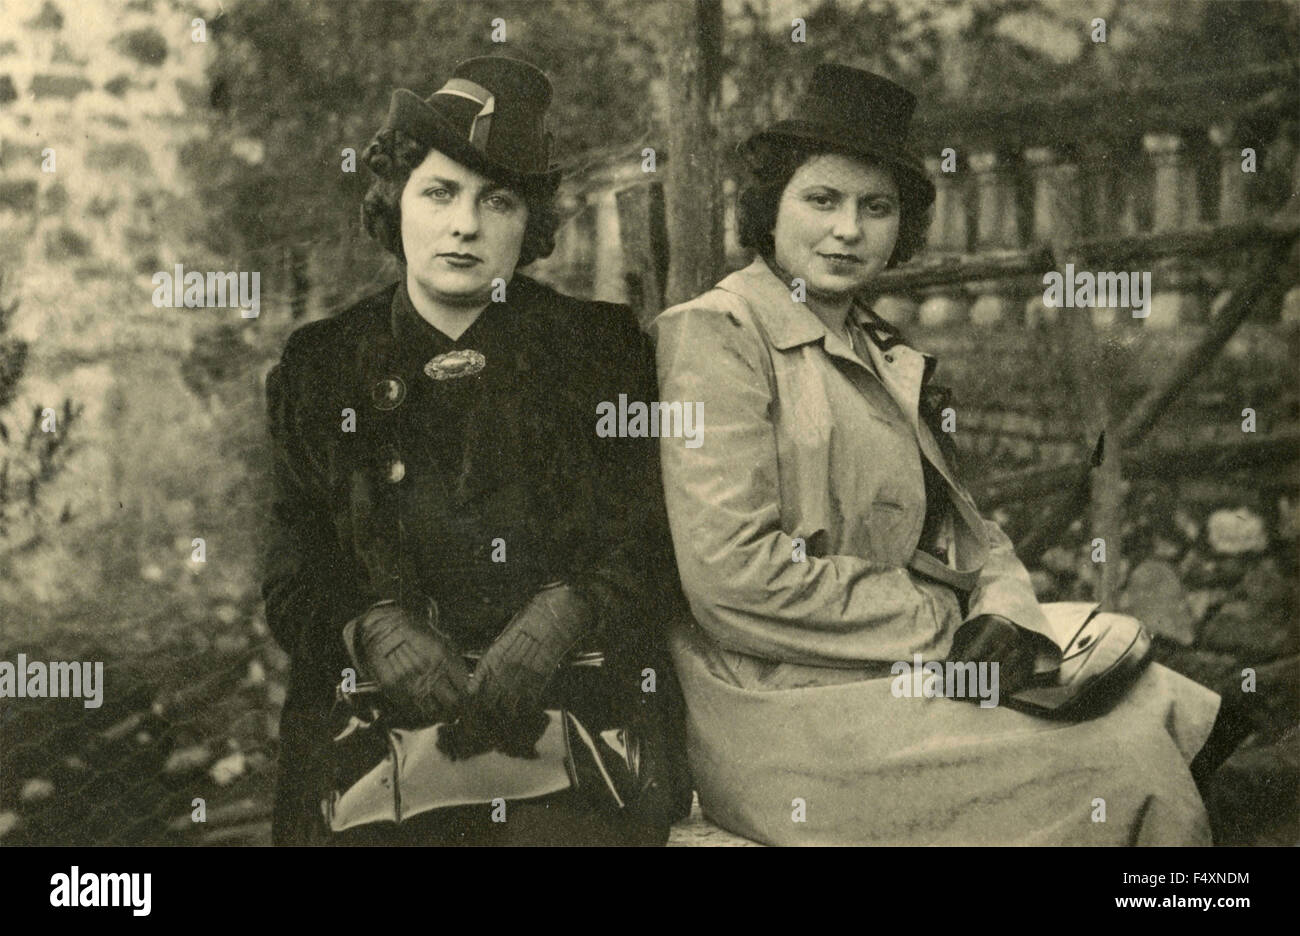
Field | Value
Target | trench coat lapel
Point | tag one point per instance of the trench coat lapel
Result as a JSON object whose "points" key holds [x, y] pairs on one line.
{"points": [[901, 370]]}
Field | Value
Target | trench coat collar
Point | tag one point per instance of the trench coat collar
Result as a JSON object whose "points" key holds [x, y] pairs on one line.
{"points": [[789, 324]]}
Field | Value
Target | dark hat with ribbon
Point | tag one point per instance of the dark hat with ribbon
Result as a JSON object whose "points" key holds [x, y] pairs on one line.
{"points": [[489, 116], [859, 112]]}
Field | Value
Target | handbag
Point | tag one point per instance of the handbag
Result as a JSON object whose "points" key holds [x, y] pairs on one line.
{"points": [[1105, 655], [386, 775]]}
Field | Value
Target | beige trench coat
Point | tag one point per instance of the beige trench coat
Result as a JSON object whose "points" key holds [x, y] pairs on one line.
{"points": [[796, 523]]}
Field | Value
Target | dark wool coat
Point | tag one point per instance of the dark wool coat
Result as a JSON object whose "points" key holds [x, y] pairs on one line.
{"points": [[382, 512]]}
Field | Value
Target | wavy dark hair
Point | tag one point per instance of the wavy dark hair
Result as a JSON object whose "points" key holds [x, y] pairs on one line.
{"points": [[773, 163], [392, 155]]}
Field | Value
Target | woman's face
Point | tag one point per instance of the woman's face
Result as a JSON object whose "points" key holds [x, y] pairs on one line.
{"points": [[837, 223], [460, 230]]}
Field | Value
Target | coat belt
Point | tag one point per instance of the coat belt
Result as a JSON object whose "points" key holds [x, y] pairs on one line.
{"points": [[924, 564]]}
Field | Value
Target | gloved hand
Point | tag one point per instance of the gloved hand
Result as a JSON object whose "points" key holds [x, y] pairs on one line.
{"points": [[991, 638], [504, 707], [420, 674]]}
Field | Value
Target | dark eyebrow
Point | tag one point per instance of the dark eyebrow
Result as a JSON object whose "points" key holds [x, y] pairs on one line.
{"points": [[830, 188], [445, 183], [489, 189]]}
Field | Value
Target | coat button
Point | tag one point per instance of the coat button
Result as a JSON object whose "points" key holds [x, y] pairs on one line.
{"points": [[388, 393], [889, 358], [396, 470]]}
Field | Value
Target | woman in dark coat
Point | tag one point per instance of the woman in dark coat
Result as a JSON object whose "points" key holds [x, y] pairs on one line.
{"points": [[439, 486]]}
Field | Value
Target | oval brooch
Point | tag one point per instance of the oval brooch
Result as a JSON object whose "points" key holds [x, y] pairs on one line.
{"points": [[453, 364]]}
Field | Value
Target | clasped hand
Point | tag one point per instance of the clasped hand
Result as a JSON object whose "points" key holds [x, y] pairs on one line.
{"points": [[500, 705]]}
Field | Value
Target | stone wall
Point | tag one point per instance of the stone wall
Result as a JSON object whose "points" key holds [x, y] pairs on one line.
{"points": [[96, 102]]}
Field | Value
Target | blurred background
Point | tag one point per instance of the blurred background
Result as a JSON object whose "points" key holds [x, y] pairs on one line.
{"points": [[140, 134]]}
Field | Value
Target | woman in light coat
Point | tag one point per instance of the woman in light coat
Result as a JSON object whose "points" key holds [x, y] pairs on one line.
{"points": [[826, 547]]}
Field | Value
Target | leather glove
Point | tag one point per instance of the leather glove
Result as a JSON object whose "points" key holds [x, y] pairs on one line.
{"points": [[418, 670], [504, 707], [991, 638]]}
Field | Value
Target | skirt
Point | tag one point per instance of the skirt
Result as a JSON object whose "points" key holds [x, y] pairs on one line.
{"points": [[788, 754]]}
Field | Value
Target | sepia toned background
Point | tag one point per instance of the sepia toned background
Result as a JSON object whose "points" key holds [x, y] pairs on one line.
{"points": [[228, 154]]}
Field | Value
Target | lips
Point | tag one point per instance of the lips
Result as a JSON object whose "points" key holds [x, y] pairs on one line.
{"points": [[842, 258], [462, 258]]}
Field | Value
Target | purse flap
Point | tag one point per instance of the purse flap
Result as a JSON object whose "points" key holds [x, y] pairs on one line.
{"points": [[416, 777], [429, 779]]}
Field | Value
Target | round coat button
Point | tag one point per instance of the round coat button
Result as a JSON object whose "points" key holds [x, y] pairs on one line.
{"points": [[396, 470], [388, 393]]}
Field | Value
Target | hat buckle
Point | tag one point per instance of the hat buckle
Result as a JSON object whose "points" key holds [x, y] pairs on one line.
{"points": [[485, 99]]}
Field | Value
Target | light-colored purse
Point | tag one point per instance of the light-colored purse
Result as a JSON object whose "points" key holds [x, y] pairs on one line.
{"points": [[1105, 655], [385, 774]]}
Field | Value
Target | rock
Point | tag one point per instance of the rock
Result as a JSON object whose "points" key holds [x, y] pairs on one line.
{"points": [[1088, 571], [1186, 525], [1155, 596], [229, 769], [1044, 585], [120, 729], [1291, 305], [1232, 532], [1198, 570], [1165, 549], [187, 759], [227, 613], [1254, 632], [9, 821], [1260, 620], [1265, 585], [1058, 559], [36, 789], [256, 673], [1202, 600]]}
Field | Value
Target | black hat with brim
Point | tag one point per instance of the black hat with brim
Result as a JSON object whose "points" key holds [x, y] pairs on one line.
{"points": [[854, 111], [490, 117]]}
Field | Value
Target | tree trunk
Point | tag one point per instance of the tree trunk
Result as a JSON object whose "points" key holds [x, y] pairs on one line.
{"points": [[694, 183]]}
